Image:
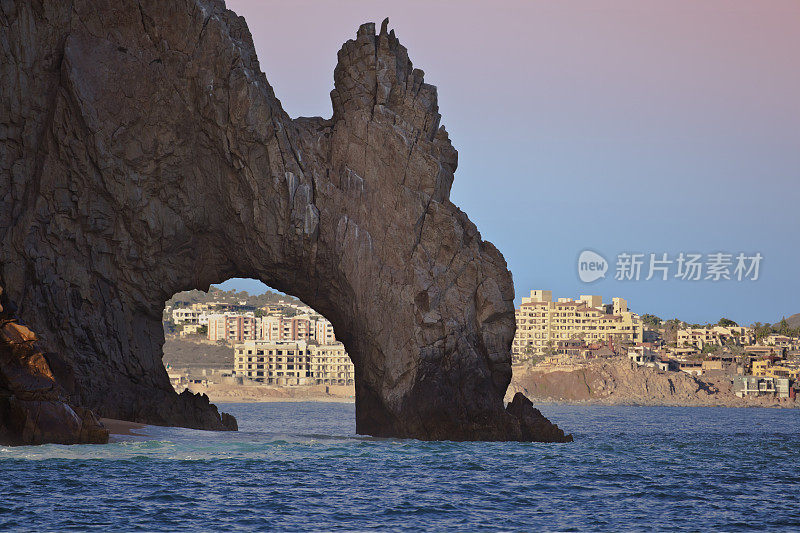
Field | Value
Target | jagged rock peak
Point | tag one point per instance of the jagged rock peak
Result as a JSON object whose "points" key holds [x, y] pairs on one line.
{"points": [[374, 71]]}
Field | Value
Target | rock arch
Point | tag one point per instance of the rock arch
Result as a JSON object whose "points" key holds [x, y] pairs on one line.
{"points": [[145, 153]]}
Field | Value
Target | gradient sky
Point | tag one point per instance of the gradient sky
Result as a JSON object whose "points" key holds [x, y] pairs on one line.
{"points": [[635, 125]]}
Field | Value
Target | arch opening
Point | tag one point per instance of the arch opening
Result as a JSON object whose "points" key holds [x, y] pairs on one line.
{"points": [[243, 340]]}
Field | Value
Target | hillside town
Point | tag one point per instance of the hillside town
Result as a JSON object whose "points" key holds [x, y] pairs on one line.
{"points": [[567, 333], [281, 343]]}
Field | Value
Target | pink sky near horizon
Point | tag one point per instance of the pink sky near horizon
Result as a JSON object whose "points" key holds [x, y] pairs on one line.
{"points": [[706, 56], [681, 115]]}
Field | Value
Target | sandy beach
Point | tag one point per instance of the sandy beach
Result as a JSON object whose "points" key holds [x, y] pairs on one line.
{"points": [[121, 427], [267, 399], [266, 393]]}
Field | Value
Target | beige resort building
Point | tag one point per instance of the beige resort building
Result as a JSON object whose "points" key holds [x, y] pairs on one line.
{"points": [[293, 363], [232, 327], [330, 364], [543, 323], [187, 316], [782, 341], [716, 336], [241, 327]]}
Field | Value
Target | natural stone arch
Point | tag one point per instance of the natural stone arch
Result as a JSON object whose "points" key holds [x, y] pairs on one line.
{"points": [[145, 153]]}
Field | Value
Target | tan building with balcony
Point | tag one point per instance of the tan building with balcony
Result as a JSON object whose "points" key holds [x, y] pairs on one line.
{"points": [[281, 328], [323, 331], [277, 363], [232, 328], [185, 315], [331, 365], [715, 336], [310, 328], [293, 363], [781, 341], [776, 369], [238, 327], [542, 324]]}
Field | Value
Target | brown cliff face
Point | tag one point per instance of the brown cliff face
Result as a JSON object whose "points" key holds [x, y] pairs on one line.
{"points": [[33, 409], [145, 153], [617, 381]]}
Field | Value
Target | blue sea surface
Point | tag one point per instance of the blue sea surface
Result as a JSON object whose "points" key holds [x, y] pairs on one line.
{"points": [[300, 466]]}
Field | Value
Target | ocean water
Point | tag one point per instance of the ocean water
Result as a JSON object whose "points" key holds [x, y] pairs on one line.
{"points": [[300, 466]]}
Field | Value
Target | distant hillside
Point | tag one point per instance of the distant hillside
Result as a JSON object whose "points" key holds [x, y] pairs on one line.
{"points": [[794, 321], [180, 353], [233, 297]]}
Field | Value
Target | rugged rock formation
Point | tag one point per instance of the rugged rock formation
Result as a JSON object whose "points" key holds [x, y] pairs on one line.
{"points": [[617, 381], [33, 409], [143, 152], [535, 427]]}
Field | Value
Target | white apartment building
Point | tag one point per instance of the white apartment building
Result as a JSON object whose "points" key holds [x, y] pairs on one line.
{"points": [[186, 316]]}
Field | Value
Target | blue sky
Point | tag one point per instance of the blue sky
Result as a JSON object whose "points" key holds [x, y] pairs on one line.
{"points": [[652, 127]]}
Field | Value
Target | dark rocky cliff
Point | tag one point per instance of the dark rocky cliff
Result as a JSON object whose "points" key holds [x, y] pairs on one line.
{"points": [[143, 152], [33, 407]]}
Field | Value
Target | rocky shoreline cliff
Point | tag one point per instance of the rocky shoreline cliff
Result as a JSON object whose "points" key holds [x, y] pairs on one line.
{"points": [[33, 407], [616, 381], [145, 153]]}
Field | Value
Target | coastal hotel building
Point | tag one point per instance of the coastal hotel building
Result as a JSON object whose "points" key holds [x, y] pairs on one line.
{"points": [[238, 327], [543, 323], [293, 363]]}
